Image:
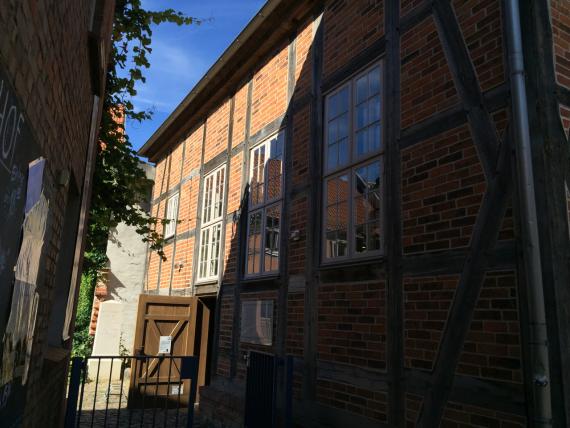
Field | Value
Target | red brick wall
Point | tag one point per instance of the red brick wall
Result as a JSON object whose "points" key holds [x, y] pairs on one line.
{"points": [[269, 99], [560, 12], [427, 86], [224, 338], [442, 188], [342, 38], [44, 53]]}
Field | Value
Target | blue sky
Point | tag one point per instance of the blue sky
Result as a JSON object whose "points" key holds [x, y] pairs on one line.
{"points": [[182, 55]]}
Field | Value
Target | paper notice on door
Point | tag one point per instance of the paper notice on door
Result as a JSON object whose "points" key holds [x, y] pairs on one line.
{"points": [[177, 389], [164, 344]]}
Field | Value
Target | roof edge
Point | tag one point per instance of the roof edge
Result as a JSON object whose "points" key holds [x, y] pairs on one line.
{"points": [[264, 13]]}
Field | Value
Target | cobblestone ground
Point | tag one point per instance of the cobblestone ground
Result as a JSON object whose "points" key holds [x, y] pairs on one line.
{"points": [[105, 406]]}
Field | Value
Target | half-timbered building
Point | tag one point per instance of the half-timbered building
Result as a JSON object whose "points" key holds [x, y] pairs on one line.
{"points": [[378, 189]]}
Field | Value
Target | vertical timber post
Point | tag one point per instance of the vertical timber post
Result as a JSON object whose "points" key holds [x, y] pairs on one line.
{"points": [[393, 227]]}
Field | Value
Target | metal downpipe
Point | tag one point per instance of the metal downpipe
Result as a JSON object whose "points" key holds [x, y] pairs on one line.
{"points": [[538, 339]]}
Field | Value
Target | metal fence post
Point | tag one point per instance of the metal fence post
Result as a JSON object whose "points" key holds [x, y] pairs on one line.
{"points": [[289, 391], [77, 365], [189, 370]]}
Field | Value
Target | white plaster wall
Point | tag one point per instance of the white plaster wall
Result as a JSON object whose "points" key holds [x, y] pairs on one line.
{"points": [[107, 338], [127, 264]]}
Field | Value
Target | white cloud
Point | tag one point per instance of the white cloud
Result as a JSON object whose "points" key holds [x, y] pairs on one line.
{"points": [[173, 72]]}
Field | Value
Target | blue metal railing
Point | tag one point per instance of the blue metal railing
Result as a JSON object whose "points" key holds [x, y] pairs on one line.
{"points": [[131, 390]]}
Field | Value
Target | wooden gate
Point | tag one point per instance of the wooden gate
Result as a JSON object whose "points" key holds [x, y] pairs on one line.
{"points": [[168, 326]]}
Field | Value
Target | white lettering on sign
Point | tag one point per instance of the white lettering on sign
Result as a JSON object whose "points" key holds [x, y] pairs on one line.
{"points": [[164, 344], [11, 121]]}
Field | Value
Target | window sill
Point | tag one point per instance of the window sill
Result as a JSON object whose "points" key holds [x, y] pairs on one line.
{"points": [[266, 280], [353, 270], [206, 282]]}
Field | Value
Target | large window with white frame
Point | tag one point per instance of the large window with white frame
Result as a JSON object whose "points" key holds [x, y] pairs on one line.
{"points": [[211, 225], [171, 216], [264, 218], [352, 168]]}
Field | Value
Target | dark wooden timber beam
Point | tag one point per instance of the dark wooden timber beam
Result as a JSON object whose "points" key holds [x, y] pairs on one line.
{"points": [[467, 85], [502, 257], [497, 170], [453, 117], [483, 241], [393, 222], [504, 397], [312, 258], [241, 235]]}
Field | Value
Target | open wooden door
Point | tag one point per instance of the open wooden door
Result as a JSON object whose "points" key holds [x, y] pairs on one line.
{"points": [[171, 326]]}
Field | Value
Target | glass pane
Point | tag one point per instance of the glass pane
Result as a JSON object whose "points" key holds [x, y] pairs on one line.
{"points": [[374, 137], [361, 89], [343, 217], [342, 100], [361, 115], [258, 194], [261, 158], [336, 244], [374, 240], [360, 210], [360, 238], [332, 106], [332, 132], [331, 222], [274, 187], [373, 176], [277, 145], [204, 253], [374, 105], [361, 142], [368, 178], [374, 203], [367, 208], [342, 126], [367, 237], [343, 152], [215, 250], [273, 222], [337, 189], [220, 195], [254, 243], [206, 199], [332, 156], [374, 79]]}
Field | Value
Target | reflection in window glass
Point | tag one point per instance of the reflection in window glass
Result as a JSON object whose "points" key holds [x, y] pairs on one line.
{"points": [[337, 190], [254, 243], [272, 224], [337, 129], [367, 207], [266, 182], [352, 167], [367, 113]]}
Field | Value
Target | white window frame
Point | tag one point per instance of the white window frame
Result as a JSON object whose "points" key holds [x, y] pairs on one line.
{"points": [[354, 162], [211, 222], [264, 206], [171, 215]]}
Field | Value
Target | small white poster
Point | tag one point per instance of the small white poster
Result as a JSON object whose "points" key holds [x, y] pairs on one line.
{"points": [[164, 344], [177, 389]]}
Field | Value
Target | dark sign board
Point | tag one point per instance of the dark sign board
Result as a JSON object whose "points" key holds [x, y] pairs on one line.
{"points": [[17, 150]]}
